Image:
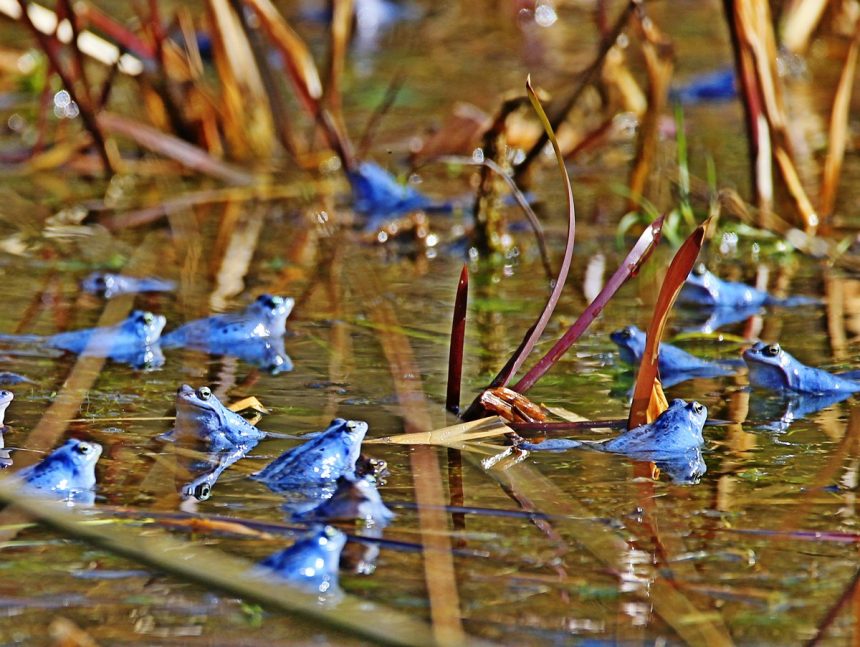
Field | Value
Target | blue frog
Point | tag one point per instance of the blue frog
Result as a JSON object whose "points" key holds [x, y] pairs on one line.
{"points": [[207, 427], [771, 367], [308, 473], [706, 289], [200, 417], [675, 365], [67, 473], [266, 317], [134, 341], [355, 498], [109, 285], [311, 563], [673, 441]]}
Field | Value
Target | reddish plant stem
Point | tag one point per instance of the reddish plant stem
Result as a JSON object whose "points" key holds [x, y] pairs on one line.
{"points": [[458, 336], [631, 264]]}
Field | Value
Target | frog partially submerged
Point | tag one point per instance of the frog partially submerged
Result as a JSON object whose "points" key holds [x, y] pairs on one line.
{"points": [[706, 289], [265, 317], [308, 473], [201, 418], [206, 426], [109, 285], [67, 473], [311, 563], [771, 367], [673, 441], [355, 499], [675, 365]]}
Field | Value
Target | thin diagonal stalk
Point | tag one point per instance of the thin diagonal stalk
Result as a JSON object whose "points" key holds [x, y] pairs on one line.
{"points": [[214, 569], [520, 199]]}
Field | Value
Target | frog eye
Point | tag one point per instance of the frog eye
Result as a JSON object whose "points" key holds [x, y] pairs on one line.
{"points": [[698, 408], [83, 448], [700, 269], [148, 318], [772, 350], [202, 492], [204, 393]]}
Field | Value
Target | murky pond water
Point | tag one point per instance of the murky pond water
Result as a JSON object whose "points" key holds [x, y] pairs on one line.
{"points": [[557, 548]]}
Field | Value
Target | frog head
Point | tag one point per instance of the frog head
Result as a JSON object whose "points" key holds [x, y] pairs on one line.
{"points": [[677, 429], [272, 312], [770, 366], [80, 458], [350, 433], [199, 413], [631, 343], [144, 326]]}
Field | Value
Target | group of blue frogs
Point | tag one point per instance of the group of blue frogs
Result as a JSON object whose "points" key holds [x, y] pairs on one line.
{"points": [[326, 478], [674, 440], [322, 480]]}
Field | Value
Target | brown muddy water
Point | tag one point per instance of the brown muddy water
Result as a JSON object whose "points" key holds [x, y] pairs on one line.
{"points": [[560, 548]]}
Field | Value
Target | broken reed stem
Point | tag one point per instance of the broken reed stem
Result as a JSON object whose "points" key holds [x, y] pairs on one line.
{"points": [[758, 140], [839, 128], [585, 79], [458, 338], [657, 51]]}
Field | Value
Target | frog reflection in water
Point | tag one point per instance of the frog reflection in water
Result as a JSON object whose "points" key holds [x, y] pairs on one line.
{"points": [[133, 341], [675, 365], [355, 501], [67, 473], [673, 441], [773, 368], [311, 563], [109, 285], [308, 473], [254, 335], [205, 425]]}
